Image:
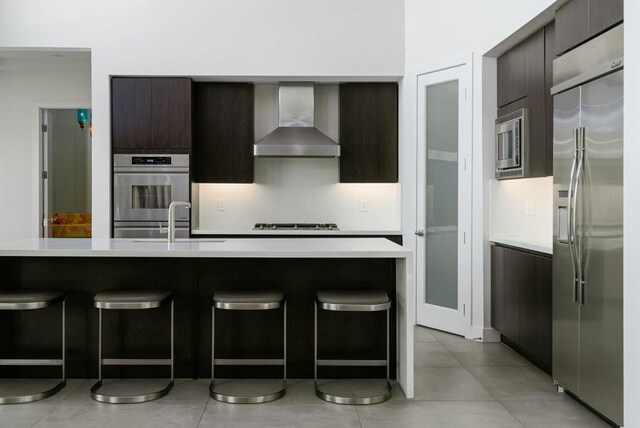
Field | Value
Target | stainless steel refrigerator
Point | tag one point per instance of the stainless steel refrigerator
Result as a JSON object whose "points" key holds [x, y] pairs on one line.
{"points": [[588, 229]]}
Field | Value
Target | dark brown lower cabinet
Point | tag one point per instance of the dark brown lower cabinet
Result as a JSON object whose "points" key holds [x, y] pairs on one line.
{"points": [[521, 302]]}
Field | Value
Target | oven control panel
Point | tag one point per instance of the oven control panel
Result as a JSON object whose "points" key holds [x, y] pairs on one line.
{"points": [[151, 160]]}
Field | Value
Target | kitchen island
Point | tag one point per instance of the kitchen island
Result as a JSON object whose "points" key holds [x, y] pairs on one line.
{"points": [[193, 269]]}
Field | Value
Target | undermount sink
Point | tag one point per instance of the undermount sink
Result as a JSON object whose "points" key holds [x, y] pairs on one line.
{"points": [[180, 241]]}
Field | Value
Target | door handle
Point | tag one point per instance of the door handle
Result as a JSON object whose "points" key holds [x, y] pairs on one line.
{"points": [[419, 232], [571, 217], [578, 250]]}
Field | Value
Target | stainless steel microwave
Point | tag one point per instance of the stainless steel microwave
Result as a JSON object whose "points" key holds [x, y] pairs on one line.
{"points": [[512, 145]]}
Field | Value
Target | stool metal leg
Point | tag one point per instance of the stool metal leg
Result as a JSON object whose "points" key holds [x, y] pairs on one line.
{"points": [[315, 343], [64, 341], [21, 399], [285, 343], [172, 352], [213, 342], [100, 345], [388, 346], [131, 399]]}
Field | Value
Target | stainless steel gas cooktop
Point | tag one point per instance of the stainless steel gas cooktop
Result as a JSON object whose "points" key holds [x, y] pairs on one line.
{"points": [[296, 226]]}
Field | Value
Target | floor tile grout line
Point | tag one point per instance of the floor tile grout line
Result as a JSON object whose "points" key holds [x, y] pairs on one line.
{"points": [[203, 412], [512, 415], [57, 404], [358, 415]]}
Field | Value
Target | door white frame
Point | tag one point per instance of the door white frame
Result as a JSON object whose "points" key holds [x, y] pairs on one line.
{"points": [[457, 321], [40, 162]]}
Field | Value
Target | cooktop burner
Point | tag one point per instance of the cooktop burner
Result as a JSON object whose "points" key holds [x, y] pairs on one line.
{"points": [[296, 226]]}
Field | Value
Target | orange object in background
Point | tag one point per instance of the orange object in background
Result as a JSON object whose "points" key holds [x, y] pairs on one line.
{"points": [[70, 225]]}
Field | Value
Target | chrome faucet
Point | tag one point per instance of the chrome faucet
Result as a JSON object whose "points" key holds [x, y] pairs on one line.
{"points": [[171, 230]]}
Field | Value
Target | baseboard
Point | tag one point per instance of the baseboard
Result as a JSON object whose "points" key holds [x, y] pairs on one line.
{"points": [[483, 334]]}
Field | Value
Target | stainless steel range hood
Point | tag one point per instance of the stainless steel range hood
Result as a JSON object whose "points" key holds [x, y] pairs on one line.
{"points": [[296, 135]]}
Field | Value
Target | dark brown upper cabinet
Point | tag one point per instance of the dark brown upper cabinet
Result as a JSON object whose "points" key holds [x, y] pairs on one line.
{"points": [[224, 132], [369, 133], [519, 69], [131, 113], [580, 20], [521, 302], [171, 108], [151, 115], [524, 81]]}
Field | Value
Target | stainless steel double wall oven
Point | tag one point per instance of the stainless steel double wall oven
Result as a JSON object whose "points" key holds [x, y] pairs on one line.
{"points": [[143, 188]]}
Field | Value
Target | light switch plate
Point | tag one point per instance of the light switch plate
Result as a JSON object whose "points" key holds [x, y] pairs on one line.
{"points": [[222, 205], [364, 205], [530, 208]]}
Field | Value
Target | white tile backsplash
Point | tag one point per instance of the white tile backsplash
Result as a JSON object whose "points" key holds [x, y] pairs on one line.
{"points": [[298, 190], [522, 207]]}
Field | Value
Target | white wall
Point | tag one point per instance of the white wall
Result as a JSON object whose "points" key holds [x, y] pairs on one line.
{"points": [[434, 31], [509, 201], [355, 38], [28, 82]]}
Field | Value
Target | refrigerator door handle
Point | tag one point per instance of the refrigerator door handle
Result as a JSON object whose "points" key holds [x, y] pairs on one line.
{"points": [[571, 217], [581, 134]]}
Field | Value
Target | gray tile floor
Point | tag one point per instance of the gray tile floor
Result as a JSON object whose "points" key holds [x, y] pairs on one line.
{"points": [[458, 384]]}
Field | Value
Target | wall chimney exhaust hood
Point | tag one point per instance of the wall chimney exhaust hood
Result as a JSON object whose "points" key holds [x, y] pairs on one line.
{"points": [[296, 135]]}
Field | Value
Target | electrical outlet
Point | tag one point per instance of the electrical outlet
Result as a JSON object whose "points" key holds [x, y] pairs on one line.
{"points": [[221, 205], [530, 208], [364, 205]]}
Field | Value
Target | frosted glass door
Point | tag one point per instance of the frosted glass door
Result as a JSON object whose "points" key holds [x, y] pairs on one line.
{"points": [[442, 195], [443, 253]]}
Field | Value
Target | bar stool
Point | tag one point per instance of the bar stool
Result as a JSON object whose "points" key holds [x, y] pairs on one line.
{"points": [[29, 300], [131, 300], [352, 301], [248, 301]]}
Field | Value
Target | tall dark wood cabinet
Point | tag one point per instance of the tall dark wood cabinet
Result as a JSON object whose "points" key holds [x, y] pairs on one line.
{"points": [[521, 302], [131, 113], [369, 133], [171, 107], [224, 132], [514, 69], [549, 56], [151, 115], [524, 75], [580, 20]]}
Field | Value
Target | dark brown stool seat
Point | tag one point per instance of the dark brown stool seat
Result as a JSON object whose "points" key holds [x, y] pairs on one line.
{"points": [[248, 300], [353, 300], [132, 299], [29, 299]]}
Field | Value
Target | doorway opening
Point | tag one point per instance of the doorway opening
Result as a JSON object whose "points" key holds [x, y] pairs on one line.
{"points": [[66, 172]]}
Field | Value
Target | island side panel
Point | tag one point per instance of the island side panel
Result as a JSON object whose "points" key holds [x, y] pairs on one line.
{"points": [[258, 334], [406, 316]]}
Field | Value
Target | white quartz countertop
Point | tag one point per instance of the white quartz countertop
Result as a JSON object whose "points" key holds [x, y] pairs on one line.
{"points": [[345, 232], [229, 248], [541, 245]]}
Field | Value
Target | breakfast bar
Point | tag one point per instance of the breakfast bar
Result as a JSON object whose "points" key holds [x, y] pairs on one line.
{"points": [[192, 269]]}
